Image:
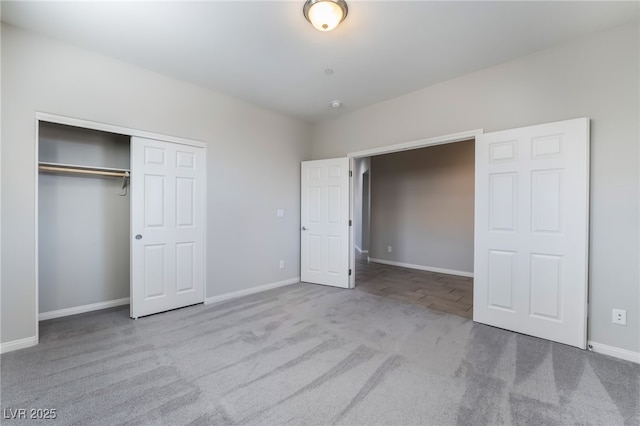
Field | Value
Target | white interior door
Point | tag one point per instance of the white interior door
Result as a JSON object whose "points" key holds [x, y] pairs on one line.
{"points": [[324, 234], [167, 226], [531, 230]]}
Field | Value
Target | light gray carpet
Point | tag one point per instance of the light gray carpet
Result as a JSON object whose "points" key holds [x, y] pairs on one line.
{"points": [[307, 354]]}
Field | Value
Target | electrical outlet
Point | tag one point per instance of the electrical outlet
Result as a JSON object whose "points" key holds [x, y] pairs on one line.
{"points": [[389, 250], [620, 316], [282, 264]]}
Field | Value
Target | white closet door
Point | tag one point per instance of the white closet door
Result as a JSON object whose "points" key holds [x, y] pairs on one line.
{"points": [[531, 230], [167, 226], [324, 235]]}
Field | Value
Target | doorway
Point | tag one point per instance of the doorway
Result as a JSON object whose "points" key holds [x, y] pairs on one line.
{"points": [[355, 157], [361, 179], [366, 209], [421, 230], [531, 226]]}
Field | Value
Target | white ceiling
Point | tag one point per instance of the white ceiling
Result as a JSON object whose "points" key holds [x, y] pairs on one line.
{"points": [[266, 52]]}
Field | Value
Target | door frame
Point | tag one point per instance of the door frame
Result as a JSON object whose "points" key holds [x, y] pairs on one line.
{"points": [[368, 212], [111, 128], [388, 149]]}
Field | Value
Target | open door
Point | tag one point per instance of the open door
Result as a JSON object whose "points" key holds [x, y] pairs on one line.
{"points": [[167, 226], [531, 230], [324, 232]]}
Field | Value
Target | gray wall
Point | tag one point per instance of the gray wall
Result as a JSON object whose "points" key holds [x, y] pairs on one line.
{"points": [[253, 162], [422, 206], [595, 77], [361, 166], [83, 222]]}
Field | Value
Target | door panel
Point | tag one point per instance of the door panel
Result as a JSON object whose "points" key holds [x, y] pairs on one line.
{"points": [[185, 266], [546, 208], [154, 271], [154, 208], [531, 230], [501, 271], [324, 248], [167, 205], [545, 285], [185, 202], [502, 199]]}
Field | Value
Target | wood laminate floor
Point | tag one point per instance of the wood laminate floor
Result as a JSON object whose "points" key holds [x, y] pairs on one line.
{"points": [[441, 292]]}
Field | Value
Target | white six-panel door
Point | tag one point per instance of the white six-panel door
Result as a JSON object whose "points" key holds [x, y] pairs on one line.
{"points": [[324, 234], [167, 226], [531, 230]]}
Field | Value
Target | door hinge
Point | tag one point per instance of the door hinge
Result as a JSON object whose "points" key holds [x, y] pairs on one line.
{"points": [[350, 222], [349, 272], [350, 173]]}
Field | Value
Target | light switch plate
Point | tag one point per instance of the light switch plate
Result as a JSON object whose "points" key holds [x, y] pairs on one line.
{"points": [[280, 213]]}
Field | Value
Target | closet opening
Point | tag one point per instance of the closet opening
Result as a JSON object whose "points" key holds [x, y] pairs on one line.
{"points": [[83, 220], [120, 219]]}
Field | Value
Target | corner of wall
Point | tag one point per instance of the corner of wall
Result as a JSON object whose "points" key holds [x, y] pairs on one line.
{"points": [[15, 345]]}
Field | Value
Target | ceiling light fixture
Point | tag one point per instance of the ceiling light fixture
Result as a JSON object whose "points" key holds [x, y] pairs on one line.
{"points": [[325, 15]]}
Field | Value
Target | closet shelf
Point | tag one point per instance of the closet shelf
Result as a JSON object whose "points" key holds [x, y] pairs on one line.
{"points": [[75, 168]]}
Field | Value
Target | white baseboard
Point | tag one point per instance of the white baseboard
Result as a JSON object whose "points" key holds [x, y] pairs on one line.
{"points": [[248, 291], [360, 250], [613, 351], [14, 345], [82, 309], [423, 268]]}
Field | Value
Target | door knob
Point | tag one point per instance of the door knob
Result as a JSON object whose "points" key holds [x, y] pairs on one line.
{"points": [[304, 228], [138, 237]]}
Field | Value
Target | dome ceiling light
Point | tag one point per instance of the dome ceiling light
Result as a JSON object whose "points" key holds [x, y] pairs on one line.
{"points": [[325, 15]]}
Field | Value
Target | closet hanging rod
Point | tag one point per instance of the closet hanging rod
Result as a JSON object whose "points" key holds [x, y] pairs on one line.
{"points": [[72, 168], [83, 171]]}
